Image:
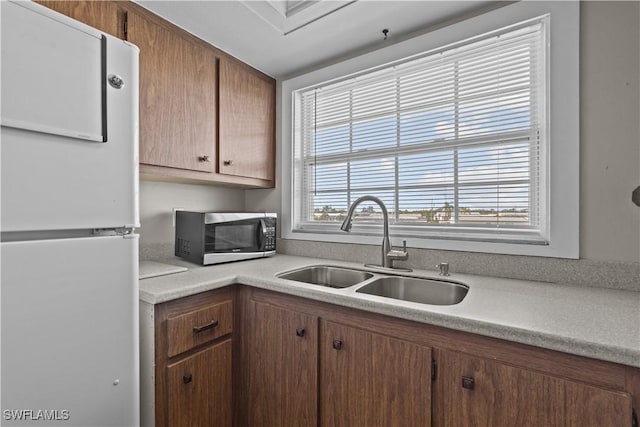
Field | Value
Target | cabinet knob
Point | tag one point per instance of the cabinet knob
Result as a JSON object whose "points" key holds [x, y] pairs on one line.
{"points": [[468, 383], [300, 332], [228, 162], [204, 158], [187, 378], [337, 344]]}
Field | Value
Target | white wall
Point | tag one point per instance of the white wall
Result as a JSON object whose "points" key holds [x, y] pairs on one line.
{"points": [[610, 133], [610, 130]]}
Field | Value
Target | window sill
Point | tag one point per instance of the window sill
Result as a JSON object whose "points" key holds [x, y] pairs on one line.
{"points": [[532, 248]]}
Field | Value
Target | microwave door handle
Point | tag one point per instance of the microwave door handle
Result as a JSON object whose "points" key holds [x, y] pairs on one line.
{"points": [[262, 232]]}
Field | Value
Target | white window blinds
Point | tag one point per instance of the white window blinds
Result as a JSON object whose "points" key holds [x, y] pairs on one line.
{"points": [[452, 141]]}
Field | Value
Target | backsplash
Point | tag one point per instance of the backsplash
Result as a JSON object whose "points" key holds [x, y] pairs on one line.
{"points": [[157, 200], [572, 272], [580, 272]]}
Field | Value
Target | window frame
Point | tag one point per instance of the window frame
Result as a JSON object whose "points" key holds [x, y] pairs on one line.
{"points": [[562, 121]]}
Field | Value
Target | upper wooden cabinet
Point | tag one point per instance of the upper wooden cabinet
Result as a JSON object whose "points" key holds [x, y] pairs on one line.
{"points": [[247, 122], [204, 115], [177, 96], [104, 15]]}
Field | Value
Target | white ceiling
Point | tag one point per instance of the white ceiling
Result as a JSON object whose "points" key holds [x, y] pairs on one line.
{"points": [[282, 38]]}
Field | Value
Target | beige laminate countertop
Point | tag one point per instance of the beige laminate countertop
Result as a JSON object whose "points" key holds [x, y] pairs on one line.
{"points": [[593, 322]]}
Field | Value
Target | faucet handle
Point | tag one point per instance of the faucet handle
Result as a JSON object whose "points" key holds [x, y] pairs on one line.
{"points": [[397, 254]]}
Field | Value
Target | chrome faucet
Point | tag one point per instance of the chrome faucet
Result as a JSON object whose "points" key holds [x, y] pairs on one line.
{"points": [[388, 253]]}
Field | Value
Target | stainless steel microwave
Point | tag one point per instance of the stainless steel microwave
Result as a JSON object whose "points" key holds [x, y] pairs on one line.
{"points": [[217, 237]]}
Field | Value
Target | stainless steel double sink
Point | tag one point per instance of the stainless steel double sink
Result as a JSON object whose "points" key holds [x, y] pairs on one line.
{"points": [[388, 285]]}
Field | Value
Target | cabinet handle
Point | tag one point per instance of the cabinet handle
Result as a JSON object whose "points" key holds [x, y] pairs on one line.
{"points": [[337, 344], [198, 329], [468, 383], [300, 332], [228, 162], [204, 158], [187, 378]]}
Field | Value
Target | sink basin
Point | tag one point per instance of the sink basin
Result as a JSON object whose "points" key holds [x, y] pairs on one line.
{"points": [[424, 291], [324, 275]]}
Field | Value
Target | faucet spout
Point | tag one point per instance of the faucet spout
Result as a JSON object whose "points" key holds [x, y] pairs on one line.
{"points": [[387, 261], [346, 225]]}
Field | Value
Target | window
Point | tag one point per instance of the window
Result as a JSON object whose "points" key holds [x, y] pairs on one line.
{"points": [[469, 134], [450, 141]]}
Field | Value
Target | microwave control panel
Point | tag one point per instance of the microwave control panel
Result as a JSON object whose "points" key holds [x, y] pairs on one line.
{"points": [[270, 234]]}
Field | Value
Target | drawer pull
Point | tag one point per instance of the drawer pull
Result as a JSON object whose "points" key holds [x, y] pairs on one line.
{"points": [[337, 344], [187, 378], [468, 383], [300, 332], [198, 329]]}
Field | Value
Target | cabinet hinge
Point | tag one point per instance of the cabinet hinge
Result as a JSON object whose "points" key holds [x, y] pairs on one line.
{"points": [[634, 418], [434, 370]]}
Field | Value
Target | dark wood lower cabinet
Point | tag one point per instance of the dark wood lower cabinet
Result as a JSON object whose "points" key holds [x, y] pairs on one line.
{"points": [[199, 392], [472, 391], [297, 362], [366, 379], [369, 379], [187, 349], [374, 370], [282, 352]]}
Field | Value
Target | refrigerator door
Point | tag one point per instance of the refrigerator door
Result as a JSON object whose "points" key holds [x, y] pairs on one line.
{"points": [[69, 137], [69, 344]]}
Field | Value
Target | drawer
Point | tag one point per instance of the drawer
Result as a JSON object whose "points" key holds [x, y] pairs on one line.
{"points": [[191, 329]]}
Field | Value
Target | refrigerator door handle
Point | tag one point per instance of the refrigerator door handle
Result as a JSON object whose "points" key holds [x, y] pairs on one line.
{"points": [[103, 69], [120, 231]]}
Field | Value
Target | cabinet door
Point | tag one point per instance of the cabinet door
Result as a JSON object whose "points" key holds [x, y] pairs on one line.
{"points": [[177, 97], [283, 360], [472, 391], [369, 379], [103, 15], [247, 122], [199, 389]]}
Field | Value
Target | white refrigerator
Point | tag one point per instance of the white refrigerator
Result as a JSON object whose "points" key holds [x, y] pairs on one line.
{"points": [[69, 207]]}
